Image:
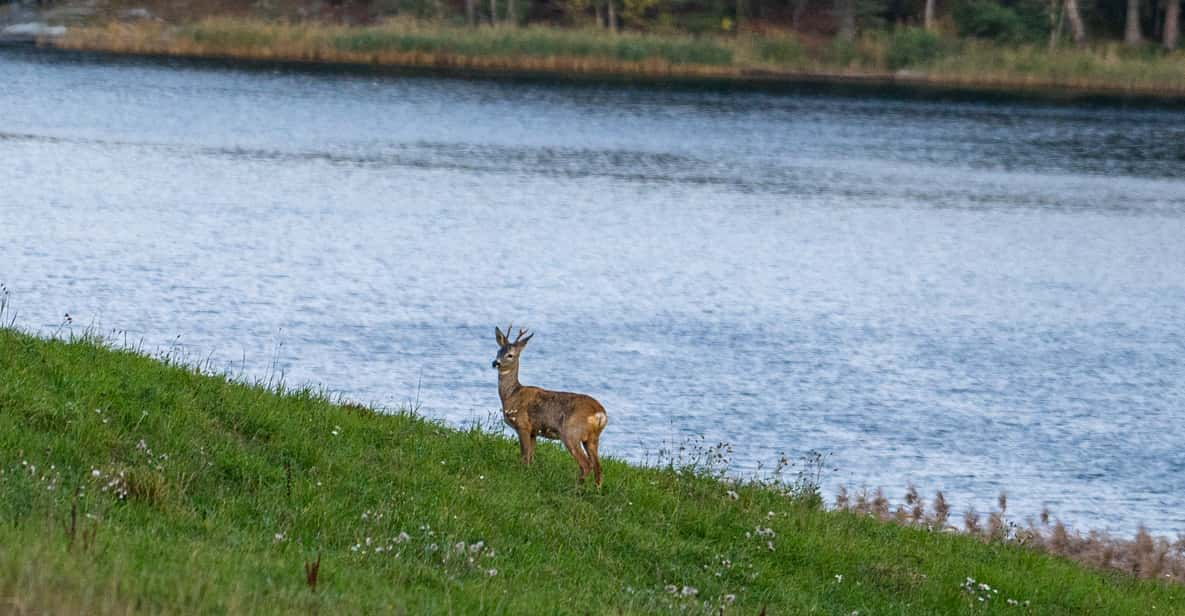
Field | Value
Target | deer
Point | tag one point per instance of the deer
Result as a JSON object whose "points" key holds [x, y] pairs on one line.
{"points": [[576, 420]]}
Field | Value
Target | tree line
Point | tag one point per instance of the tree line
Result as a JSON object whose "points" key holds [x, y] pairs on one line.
{"points": [[1135, 22]]}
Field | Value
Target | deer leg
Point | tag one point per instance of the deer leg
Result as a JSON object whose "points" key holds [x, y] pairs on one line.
{"points": [[591, 446], [526, 446], [577, 452]]}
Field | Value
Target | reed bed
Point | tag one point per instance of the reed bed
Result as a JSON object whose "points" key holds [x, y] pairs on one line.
{"points": [[907, 57], [403, 43], [1143, 556]]}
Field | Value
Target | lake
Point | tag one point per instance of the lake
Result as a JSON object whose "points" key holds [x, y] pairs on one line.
{"points": [[970, 296]]}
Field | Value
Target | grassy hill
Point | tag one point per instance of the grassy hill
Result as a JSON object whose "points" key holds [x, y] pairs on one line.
{"points": [[131, 485]]}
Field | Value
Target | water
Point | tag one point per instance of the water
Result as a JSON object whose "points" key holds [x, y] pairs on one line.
{"points": [[971, 297]]}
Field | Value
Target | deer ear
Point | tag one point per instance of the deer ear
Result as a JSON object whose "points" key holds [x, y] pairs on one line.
{"points": [[523, 343], [500, 337]]}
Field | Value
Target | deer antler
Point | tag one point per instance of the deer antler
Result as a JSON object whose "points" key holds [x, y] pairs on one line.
{"points": [[521, 332]]}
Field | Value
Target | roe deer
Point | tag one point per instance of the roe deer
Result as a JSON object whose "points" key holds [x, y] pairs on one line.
{"points": [[575, 419]]}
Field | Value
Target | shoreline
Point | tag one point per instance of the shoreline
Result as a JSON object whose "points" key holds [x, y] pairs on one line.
{"points": [[305, 51]]}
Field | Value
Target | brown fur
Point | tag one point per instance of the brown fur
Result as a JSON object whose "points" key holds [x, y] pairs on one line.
{"points": [[576, 420]]}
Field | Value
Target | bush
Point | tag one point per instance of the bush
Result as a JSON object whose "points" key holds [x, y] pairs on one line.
{"points": [[780, 50], [1024, 21], [841, 52], [913, 46]]}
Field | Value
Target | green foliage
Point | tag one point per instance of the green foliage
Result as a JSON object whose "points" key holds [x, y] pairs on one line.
{"points": [[636, 13], [535, 43], [780, 50], [912, 47], [129, 485], [841, 53], [1024, 21], [229, 37], [700, 23]]}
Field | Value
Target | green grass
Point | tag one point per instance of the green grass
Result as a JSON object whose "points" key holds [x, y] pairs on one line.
{"points": [[534, 42], [231, 489]]}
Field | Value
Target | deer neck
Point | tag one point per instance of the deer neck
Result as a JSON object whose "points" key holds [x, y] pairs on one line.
{"points": [[508, 383]]}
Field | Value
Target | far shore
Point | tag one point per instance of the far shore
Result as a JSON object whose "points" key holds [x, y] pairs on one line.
{"points": [[581, 54]]}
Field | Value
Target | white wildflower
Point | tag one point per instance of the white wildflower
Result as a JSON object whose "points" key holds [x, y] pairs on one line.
{"points": [[733, 495], [690, 591], [492, 572], [279, 537]]}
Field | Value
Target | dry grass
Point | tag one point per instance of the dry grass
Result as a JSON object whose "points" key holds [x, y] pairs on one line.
{"points": [[768, 56], [1143, 556], [403, 43]]}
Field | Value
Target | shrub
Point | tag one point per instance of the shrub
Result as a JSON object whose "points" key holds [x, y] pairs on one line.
{"points": [[912, 46], [1024, 21], [841, 52], [781, 50]]}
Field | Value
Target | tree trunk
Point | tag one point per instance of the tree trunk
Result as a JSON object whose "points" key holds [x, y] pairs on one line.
{"points": [[928, 16], [493, 12], [1131, 35], [1057, 15], [512, 13], [740, 14], [471, 12], [612, 16], [1172, 24], [1076, 26], [599, 8], [847, 19]]}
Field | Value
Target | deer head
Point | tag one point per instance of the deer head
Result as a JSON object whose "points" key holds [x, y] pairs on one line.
{"points": [[508, 352]]}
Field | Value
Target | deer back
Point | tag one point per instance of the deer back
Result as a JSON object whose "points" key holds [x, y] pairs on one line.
{"points": [[548, 413]]}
